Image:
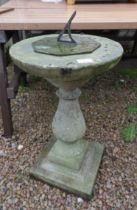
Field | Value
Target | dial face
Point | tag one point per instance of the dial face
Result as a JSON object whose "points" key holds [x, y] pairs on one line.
{"points": [[50, 45]]}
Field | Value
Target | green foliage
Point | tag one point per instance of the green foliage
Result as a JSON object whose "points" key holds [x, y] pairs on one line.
{"points": [[23, 88], [129, 133], [33, 79], [131, 73], [132, 109]]}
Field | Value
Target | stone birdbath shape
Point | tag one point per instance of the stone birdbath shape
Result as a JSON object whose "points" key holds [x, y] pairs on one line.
{"points": [[69, 161]]}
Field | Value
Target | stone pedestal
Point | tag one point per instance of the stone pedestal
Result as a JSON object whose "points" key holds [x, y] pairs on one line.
{"points": [[69, 161]]}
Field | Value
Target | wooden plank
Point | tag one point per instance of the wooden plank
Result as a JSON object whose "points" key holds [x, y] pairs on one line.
{"points": [[14, 83], [3, 37], [4, 10], [35, 15], [4, 101]]}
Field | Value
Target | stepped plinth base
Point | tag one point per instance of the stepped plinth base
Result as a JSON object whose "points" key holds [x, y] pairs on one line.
{"points": [[79, 181]]}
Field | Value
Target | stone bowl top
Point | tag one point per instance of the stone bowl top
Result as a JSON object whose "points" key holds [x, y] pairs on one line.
{"points": [[67, 71]]}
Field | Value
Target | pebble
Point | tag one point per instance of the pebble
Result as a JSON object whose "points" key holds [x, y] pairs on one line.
{"points": [[22, 208], [80, 200], [5, 189], [13, 145], [109, 185], [122, 80], [20, 147], [45, 203], [92, 208], [43, 196], [10, 200], [2, 153], [114, 158]]}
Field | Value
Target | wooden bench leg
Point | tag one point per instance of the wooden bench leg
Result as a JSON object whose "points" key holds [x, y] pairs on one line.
{"points": [[4, 101], [134, 50]]}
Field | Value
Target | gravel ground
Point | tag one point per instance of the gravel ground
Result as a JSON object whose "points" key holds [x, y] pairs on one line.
{"points": [[104, 102]]}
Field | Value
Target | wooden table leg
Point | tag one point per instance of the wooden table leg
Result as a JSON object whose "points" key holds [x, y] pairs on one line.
{"points": [[4, 101], [134, 49], [8, 90]]}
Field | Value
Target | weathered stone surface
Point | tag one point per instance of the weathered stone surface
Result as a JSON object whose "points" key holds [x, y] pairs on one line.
{"points": [[68, 123], [70, 162], [80, 181], [67, 72], [69, 155]]}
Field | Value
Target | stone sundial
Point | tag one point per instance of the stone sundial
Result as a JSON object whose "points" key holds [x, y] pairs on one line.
{"points": [[68, 61]]}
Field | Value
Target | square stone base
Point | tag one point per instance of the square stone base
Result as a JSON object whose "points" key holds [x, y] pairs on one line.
{"points": [[80, 181]]}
